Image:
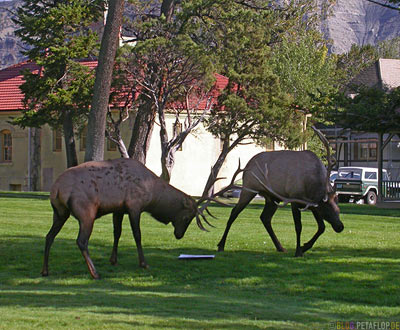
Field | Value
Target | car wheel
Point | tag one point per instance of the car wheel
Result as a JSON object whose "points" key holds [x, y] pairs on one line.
{"points": [[371, 197]]}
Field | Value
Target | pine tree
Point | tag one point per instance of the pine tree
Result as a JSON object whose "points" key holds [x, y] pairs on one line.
{"points": [[58, 34]]}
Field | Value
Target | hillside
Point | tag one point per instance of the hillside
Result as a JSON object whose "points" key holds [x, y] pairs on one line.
{"points": [[360, 22], [352, 21], [10, 46]]}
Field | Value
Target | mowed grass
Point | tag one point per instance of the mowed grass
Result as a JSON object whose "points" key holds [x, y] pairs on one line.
{"points": [[351, 276]]}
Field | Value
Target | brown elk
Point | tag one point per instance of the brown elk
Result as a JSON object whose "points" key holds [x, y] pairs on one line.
{"points": [[296, 177], [118, 186]]}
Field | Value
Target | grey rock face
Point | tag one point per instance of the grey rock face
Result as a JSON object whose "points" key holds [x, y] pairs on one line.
{"points": [[360, 22], [10, 45]]}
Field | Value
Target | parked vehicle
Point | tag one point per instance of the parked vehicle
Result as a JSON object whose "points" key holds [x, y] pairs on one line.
{"points": [[333, 177], [358, 183]]}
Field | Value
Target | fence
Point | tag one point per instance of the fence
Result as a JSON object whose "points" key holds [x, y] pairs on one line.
{"points": [[391, 190]]}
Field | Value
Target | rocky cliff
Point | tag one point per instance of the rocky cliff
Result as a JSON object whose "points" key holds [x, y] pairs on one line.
{"points": [[360, 22], [10, 45], [352, 22]]}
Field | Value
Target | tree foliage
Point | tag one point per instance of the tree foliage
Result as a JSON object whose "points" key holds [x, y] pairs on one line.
{"points": [[166, 69], [370, 110], [249, 42], [58, 35]]}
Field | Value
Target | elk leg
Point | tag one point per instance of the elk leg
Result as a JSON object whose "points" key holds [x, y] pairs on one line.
{"points": [[134, 219], [266, 218], [297, 224], [244, 200], [58, 222], [117, 225], [85, 230], [321, 229]]}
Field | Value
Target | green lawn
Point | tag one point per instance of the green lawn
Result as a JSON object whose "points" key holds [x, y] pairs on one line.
{"points": [[351, 276]]}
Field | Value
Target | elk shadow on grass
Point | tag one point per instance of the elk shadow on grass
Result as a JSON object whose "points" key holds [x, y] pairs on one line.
{"points": [[201, 290]]}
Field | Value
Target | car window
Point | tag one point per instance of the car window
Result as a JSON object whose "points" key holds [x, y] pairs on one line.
{"points": [[370, 176], [333, 177], [349, 173], [385, 176]]}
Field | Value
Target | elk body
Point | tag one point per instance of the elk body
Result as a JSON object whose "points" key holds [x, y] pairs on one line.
{"points": [[296, 177], [118, 186]]}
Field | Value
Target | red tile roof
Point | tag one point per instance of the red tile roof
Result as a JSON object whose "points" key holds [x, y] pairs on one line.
{"points": [[11, 97], [10, 79]]}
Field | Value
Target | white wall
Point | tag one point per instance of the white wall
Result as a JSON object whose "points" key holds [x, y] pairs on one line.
{"points": [[199, 153]]}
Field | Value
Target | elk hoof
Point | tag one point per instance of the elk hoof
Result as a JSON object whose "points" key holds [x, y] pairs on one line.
{"points": [[95, 276], [281, 249], [221, 249], [305, 248], [44, 273], [144, 265], [298, 254], [113, 262]]}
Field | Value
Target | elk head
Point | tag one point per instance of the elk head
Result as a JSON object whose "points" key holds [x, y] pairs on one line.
{"points": [[185, 216], [328, 208]]}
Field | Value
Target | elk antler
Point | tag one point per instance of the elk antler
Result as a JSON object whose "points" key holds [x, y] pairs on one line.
{"points": [[325, 141], [267, 186], [224, 190], [208, 199]]}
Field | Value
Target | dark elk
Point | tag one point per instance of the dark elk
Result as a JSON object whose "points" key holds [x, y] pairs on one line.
{"points": [[118, 186], [296, 177]]}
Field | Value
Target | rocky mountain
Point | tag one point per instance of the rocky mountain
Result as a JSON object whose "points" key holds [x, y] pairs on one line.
{"points": [[360, 22], [10, 45], [351, 22]]}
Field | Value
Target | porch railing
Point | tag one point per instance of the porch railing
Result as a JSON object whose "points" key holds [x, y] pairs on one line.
{"points": [[391, 190]]}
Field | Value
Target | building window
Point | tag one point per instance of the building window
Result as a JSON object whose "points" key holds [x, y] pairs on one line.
{"points": [[365, 151], [82, 139], [5, 146], [57, 140], [111, 145]]}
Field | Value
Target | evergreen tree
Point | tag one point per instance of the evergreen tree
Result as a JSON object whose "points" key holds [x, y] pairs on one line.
{"points": [[58, 35], [370, 110], [274, 59]]}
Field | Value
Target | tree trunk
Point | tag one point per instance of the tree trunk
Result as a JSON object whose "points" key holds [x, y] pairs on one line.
{"points": [[69, 138], [142, 131], [35, 159], [101, 92], [215, 169], [168, 8], [226, 149], [144, 121], [167, 164], [122, 148]]}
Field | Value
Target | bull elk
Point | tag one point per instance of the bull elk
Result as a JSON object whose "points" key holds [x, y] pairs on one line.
{"points": [[296, 177], [93, 189]]}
